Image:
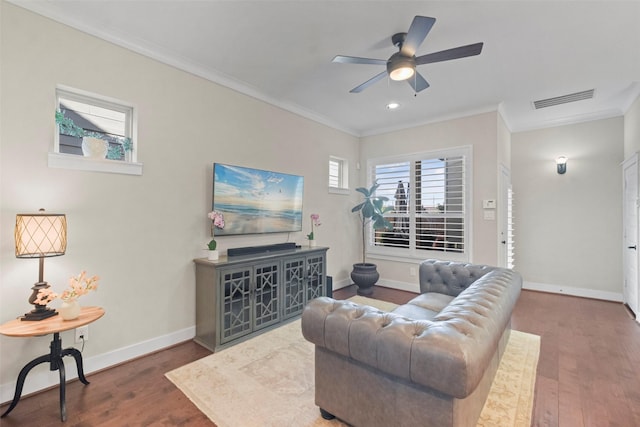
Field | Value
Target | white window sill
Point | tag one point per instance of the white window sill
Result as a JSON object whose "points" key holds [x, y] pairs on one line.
{"points": [[75, 162], [336, 190]]}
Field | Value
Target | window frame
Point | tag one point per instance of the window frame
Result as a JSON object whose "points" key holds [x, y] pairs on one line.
{"points": [[343, 176], [56, 159], [412, 253]]}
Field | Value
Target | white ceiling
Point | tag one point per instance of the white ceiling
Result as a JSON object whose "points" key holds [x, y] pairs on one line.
{"points": [[281, 52]]}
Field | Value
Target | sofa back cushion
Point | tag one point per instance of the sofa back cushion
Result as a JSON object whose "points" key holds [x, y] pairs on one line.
{"points": [[449, 278]]}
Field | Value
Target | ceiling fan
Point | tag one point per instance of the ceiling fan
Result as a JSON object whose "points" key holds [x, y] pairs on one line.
{"points": [[402, 64]]}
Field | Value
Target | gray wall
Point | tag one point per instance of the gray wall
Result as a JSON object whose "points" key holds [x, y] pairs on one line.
{"points": [[569, 227]]}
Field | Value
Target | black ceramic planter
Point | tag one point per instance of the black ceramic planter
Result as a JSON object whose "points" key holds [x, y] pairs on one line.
{"points": [[365, 275]]}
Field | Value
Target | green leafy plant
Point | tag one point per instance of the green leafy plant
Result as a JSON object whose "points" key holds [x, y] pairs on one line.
{"points": [[371, 211], [115, 152]]}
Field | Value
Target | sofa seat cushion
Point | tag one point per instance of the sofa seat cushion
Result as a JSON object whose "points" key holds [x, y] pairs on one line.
{"points": [[411, 311], [432, 301]]}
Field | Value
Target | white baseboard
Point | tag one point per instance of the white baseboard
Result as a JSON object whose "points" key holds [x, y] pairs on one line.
{"points": [[40, 379], [339, 284], [533, 286], [577, 292], [401, 286]]}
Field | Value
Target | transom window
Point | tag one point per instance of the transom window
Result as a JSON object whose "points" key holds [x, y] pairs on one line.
{"points": [[94, 133], [338, 175], [428, 194], [82, 115]]}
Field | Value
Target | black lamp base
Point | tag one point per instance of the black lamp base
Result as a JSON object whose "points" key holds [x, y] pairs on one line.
{"points": [[39, 314]]}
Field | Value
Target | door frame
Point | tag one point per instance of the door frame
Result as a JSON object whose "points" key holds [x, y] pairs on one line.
{"points": [[629, 244]]}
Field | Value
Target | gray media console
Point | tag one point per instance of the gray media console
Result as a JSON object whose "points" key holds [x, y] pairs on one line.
{"points": [[239, 296]]}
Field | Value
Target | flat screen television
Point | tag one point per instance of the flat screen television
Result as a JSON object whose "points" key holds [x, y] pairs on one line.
{"points": [[255, 201]]}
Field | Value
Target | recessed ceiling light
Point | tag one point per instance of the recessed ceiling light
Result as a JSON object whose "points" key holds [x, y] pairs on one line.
{"points": [[392, 105]]}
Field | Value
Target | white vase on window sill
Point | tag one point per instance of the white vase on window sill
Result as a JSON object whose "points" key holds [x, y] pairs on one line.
{"points": [[94, 147]]}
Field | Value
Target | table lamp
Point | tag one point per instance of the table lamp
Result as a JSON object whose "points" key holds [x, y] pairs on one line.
{"points": [[40, 235]]}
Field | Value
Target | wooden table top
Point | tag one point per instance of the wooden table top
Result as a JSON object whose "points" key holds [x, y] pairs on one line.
{"points": [[35, 328]]}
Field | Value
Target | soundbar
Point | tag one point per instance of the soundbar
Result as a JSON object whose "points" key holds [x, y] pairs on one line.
{"points": [[252, 250]]}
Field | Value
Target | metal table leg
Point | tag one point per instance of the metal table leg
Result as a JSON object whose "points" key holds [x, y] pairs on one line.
{"points": [[55, 364]]}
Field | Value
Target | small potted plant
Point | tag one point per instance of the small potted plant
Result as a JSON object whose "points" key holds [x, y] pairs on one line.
{"points": [[94, 144], [371, 211], [315, 222], [217, 221]]}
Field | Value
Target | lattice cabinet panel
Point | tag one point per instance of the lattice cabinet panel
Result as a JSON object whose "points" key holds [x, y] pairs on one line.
{"points": [[236, 303], [294, 281], [316, 277], [266, 305], [242, 295]]}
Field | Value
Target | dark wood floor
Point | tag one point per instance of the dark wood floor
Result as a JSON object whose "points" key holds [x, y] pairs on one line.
{"points": [[588, 373]]}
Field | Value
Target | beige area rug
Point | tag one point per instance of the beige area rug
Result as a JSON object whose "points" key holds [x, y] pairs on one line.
{"points": [[269, 381]]}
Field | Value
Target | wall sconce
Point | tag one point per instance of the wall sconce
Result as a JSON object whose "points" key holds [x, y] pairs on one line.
{"points": [[561, 162], [39, 236]]}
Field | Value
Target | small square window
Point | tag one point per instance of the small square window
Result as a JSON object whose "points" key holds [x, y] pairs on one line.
{"points": [[338, 174], [94, 132]]}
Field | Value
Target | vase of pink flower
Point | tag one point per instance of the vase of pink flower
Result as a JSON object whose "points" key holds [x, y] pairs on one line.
{"points": [[217, 221], [315, 222], [78, 285]]}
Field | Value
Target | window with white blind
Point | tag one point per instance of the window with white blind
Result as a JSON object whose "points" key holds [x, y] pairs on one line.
{"points": [[429, 197], [338, 175]]}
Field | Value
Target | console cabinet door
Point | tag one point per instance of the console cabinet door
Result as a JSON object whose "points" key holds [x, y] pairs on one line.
{"points": [[293, 270], [316, 277], [235, 303], [266, 307]]}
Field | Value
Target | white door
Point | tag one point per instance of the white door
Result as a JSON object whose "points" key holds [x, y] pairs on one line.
{"points": [[630, 233]]}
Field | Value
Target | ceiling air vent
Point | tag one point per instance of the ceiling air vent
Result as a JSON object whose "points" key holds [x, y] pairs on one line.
{"points": [[550, 102]]}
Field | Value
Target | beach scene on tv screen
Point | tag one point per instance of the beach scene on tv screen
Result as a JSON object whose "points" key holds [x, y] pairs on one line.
{"points": [[256, 201]]}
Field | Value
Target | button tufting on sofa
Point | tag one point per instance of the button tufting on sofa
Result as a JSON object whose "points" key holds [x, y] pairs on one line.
{"points": [[441, 362]]}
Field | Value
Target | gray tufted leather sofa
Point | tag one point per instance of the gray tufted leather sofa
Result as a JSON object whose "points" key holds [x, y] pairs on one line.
{"points": [[429, 362]]}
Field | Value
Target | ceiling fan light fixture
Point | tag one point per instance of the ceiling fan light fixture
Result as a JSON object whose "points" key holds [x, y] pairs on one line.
{"points": [[402, 73], [401, 68]]}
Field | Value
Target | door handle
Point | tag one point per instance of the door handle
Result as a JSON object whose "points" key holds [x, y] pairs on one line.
{"points": [[632, 247]]}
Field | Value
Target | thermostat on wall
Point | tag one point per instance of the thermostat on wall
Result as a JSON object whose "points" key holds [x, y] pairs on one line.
{"points": [[489, 204]]}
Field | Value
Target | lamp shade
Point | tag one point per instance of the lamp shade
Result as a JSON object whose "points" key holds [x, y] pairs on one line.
{"points": [[40, 235]]}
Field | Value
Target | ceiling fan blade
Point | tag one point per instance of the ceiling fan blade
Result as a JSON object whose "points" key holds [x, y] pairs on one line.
{"points": [[418, 82], [449, 54], [419, 29], [355, 60], [368, 83]]}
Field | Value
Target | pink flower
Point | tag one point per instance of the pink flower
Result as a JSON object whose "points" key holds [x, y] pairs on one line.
{"points": [[217, 218], [315, 221], [78, 285], [45, 296]]}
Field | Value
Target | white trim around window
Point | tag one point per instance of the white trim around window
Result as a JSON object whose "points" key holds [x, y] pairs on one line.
{"points": [[433, 217], [109, 119], [338, 175]]}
